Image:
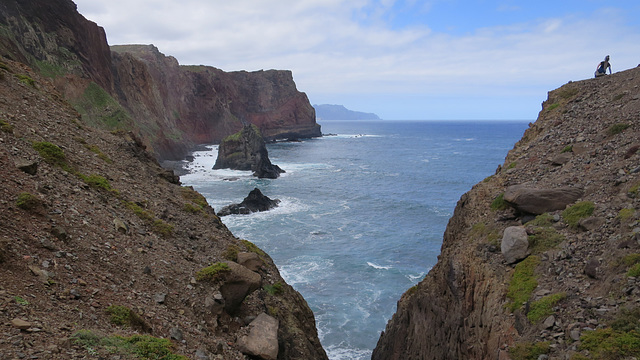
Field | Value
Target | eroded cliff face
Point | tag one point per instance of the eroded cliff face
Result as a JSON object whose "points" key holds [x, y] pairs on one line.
{"points": [[135, 87], [577, 281]]}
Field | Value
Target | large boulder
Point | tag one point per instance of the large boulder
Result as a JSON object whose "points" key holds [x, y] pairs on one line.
{"points": [[515, 244], [247, 150], [539, 201], [239, 282], [254, 202], [262, 340]]}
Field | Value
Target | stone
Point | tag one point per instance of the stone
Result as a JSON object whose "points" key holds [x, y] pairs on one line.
{"points": [[549, 322], [575, 335], [238, 283], [262, 340], [214, 303], [120, 226], [20, 324], [176, 334], [515, 244], [254, 202], [561, 159], [591, 268], [539, 201], [250, 260], [29, 167], [160, 298], [592, 223]]}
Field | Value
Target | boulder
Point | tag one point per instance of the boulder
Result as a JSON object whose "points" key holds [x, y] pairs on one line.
{"points": [[515, 244], [254, 202], [250, 260], [27, 166], [247, 150], [262, 340], [539, 201], [239, 282]]}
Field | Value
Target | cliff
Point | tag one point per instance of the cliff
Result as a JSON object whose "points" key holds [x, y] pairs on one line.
{"points": [[104, 255], [135, 87], [572, 293]]}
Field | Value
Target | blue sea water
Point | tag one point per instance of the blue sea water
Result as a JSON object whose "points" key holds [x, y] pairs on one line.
{"points": [[362, 213]]}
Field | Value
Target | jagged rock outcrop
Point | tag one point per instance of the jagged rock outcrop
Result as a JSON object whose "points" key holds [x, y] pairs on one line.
{"points": [[135, 87], [246, 150], [473, 305], [254, 202]]}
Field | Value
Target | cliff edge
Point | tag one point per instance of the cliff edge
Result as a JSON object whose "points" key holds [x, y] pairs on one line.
{"points": [[571, 294]]}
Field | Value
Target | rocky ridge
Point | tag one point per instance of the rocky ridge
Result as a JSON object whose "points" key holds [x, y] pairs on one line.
{"points": [[577, 281], [98, 240]]}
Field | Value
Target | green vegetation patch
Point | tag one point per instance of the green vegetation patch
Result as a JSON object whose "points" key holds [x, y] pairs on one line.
{"points": [[52, 154], [96, 150], [143, 347], [253, 247], [97, 182], [28, 201], [499, 203], [212, 272], [98, 108], [634, 271], [617, 128], [553, 106], [5, 126], [579, 211], [523, 282], [25, 79], [542, 220], [123, 316], [139, 211], [568, 148], [163, 228], [482, 230], [620, 341], [49, 69], [20, 301], [275, 289], [231, 253], [545, 238], [626, 214], [542, 308], [528, 350], [633, 191]]}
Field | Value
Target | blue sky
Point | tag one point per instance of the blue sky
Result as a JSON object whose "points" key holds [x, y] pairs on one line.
{"points": [[407, 59]]}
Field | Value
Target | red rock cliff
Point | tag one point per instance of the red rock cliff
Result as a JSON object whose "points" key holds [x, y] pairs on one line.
{"points": [[171, 107]]}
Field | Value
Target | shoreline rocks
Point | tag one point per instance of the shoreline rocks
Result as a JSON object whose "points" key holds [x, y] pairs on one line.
{"points": [[254, 202]]}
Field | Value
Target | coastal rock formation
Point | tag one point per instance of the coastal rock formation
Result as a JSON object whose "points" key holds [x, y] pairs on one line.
{"points": [[99, 244], [567, 299], [246, 150], [254, 202], [136, 88]]}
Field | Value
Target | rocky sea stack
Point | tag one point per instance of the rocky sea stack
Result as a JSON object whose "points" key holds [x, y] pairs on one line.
{"points": [[542, 259], [254, 202], [247, 150]]}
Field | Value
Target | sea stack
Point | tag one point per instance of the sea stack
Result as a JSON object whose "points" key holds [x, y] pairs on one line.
{"points": [[246, 150]]}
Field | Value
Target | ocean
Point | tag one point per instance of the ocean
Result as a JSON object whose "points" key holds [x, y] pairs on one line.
{"points": [[362, 213]]}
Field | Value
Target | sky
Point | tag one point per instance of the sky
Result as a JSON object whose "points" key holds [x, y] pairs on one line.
{"points": [[400, 59]]}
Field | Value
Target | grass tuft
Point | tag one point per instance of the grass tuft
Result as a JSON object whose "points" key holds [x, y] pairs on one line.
{"points": [[523, 282], [577, 212]]}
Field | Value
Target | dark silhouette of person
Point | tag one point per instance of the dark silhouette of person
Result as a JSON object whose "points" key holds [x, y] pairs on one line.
{"points": [[601, 70]]}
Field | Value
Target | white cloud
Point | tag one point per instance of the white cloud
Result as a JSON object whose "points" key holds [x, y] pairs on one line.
{"points": [[330, 52]]}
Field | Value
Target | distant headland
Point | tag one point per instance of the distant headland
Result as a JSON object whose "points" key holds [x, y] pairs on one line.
{"points": [[339, 112]]}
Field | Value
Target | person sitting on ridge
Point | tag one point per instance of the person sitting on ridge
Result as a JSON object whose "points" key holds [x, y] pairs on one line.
{"points": [[602, 67]]}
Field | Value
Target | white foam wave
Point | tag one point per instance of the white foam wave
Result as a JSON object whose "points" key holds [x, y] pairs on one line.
{"points": [[304, 269], [340, 352], [380, 267]]}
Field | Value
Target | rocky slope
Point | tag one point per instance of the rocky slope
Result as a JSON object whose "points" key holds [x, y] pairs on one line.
{"points": [[579, 281], [98, 240], [170, 107]]}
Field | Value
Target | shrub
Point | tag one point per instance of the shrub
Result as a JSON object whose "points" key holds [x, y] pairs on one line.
{"points": [[543, 220], [620, 341], [97, 182], [544, 239], [626, 213], [26, 80], [51, 153], [231, 253], [542, 308], [139, 211], [499, 203], [634, 271], [523, 282], [123, 316], [189, 194], [579, 211], [275, 289], [631, 259], [568, 148], [212, 272], [6, 127], [28, 201], [163, 228], [253, 248], [144, 347], [528, 351], [617, 129]]}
